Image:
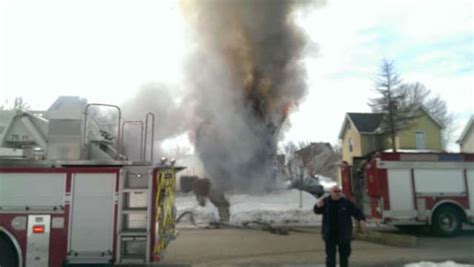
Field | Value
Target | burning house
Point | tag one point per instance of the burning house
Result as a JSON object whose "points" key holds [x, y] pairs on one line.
{"points": [[245, 77]]}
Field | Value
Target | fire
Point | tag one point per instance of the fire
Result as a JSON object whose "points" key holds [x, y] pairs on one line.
{"points": [[287, 109], [247, 77]]}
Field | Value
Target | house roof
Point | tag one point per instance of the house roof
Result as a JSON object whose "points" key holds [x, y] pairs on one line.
{"points": [[364, 122], [466, 130], [368, 123], [313, 146], [422, 107]]}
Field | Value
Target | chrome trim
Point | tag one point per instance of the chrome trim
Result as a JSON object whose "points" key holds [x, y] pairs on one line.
{"points": [[28, 212], [15, 244], [38, 244], [441, 194], [452, 165], [118, 125], [152, 135], [149, 218], [141, 156], [122, 178], [71, 207]]}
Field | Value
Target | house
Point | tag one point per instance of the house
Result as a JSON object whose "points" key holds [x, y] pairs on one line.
{"points": [[360, 134], [319, 158], [466, 140]]}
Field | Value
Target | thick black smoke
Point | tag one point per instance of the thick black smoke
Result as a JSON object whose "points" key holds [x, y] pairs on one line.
{"points": [[245, 76]]}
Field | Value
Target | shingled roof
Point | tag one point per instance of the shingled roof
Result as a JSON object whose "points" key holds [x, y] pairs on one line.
{"points": [[366, 122]]}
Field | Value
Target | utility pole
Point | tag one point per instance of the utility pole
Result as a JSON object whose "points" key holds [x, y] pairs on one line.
{"points": [[301, 185]]}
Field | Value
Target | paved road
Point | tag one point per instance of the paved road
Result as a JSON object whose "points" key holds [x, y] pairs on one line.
{"points": [[239, 247]]}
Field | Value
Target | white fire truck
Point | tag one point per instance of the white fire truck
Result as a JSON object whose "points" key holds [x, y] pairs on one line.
{"points": [[414, 189], [69, 196]]}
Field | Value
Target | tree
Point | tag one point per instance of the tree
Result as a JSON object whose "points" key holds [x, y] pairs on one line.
{"points": [[18, 104], [392, 102], [418, 94], [326, 162], [312, 159], [294, 165]]}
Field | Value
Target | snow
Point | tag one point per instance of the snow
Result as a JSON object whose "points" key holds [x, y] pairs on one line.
{"points": [[279, 207], [326, 182], [442, 264]]}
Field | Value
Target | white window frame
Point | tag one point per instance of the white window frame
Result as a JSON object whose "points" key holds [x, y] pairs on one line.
{"points": [[420, 144]]}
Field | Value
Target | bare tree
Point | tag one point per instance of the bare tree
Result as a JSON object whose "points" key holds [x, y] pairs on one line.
{"points": [[326, 163], [294, 164], [312, 159], [391, 102], [418, 94], [20, 104]]}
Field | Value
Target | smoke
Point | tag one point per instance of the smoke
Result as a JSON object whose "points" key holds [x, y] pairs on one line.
{"points": [[171, 117], [245, 76]]}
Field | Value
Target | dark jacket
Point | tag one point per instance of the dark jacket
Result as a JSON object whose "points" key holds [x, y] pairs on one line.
{"points": [[346, 210]]}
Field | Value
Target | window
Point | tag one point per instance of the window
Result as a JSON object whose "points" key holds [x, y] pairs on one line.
{"points": [[420, 140], [350, 144]]}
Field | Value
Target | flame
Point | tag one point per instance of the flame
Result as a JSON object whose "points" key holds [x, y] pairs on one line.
{"points": [[286, 109]]}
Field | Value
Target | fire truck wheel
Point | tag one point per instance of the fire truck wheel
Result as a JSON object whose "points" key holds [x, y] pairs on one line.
{"points": [[447, 221], [8, 256]]}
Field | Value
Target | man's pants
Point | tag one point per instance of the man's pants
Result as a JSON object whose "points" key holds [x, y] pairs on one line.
{"points": [[344, 252]]}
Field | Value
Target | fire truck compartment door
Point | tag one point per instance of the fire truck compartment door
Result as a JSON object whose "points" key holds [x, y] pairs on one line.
{"points": [[400, 193], [91, 232], [470, 184], [429, 181], [37, 191]]}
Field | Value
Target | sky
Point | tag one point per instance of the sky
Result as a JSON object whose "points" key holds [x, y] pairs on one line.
{"points": [[105, 50]]}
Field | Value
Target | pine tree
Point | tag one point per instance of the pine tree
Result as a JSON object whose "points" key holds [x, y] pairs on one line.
{"points": [[392, 102]]}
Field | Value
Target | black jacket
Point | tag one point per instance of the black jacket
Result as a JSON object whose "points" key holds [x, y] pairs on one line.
{"points": [[346, 210]]}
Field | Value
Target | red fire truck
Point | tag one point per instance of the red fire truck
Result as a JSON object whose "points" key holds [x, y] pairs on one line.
{"points": [[414, 189], [68, 195]]}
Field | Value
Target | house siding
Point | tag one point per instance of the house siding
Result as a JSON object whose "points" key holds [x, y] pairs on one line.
{"points": [[364, 144], [468, 143], [369, 143], [356, 144], [431, 130]]}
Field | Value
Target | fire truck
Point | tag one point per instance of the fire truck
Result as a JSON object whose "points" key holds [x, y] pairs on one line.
{"points": [[70, 196], [409, 190]]}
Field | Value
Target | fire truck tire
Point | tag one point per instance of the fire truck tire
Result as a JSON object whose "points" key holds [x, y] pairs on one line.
{"points": [[447, 221], [8, 256]]}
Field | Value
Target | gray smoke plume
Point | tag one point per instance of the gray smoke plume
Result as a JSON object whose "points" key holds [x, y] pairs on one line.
{"points": [[245, 77], [171, 118]]}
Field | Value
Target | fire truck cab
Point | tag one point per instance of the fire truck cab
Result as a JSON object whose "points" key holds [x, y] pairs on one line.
{"points": [[70, 196], [414, 189]]}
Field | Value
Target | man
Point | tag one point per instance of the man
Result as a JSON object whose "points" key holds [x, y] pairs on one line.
{"points": [[337, 225]]}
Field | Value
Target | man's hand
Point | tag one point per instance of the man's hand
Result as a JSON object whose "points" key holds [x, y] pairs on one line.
{"points": [[320, 203], [363, 226]]}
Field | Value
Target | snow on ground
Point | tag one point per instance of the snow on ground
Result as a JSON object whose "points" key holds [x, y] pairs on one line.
{"points": [[442, 264], [279, 207], [326, 182]]}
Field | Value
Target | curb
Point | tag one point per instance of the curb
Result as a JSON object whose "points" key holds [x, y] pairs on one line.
{"points": [[397, 240]]}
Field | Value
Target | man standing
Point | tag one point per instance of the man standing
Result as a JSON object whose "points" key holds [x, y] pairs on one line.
{"points": [[337, 225]]}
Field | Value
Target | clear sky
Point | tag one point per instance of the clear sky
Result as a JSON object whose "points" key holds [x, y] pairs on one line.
{"points": [[105, 50]]}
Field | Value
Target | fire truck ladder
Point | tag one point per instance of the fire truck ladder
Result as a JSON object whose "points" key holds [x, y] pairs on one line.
{"points": [[133, 243]]}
